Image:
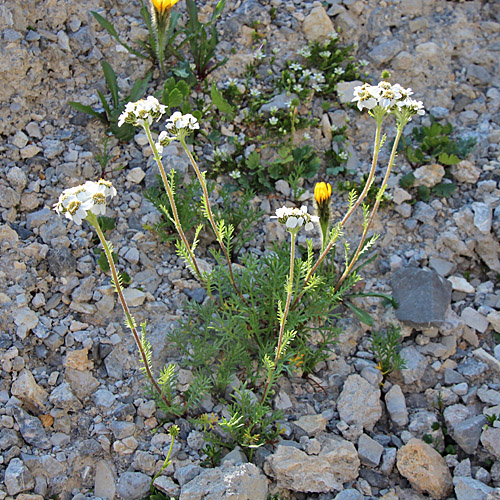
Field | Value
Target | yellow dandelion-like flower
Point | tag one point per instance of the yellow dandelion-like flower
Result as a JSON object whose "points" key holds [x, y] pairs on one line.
{"points": [[322, 192]]}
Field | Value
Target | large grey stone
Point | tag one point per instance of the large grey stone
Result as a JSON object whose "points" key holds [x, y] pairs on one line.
{"points": [[31, 429], [359, 403], [396, 405], [133, 485], [490, 438], [240, 482], [423, 297], [18, 478], [467, 488], [369, 451], [337, 463], [104, 482], [415, 365]]}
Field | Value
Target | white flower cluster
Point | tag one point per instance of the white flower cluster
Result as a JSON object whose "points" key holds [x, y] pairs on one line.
{"points": [[142, 111], [76, 202], [295, 218], [177, 124], [387, 96]]}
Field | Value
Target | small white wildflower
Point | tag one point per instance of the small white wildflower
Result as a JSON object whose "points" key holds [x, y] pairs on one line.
{"points": [[325, 54], [304, 52], [316, 87], [180, 123], [235, 174], [255, 92], [273, 109], [295, 218], [259, 55], [232, 82], [295, 66], [339, 71], [318, 77], [306, 136], [343, 155], [273, 120], [334, 35], [363, 62], [298, 88], [305, 74], [142, 111]]}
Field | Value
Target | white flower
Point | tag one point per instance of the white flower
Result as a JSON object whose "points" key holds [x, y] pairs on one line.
{"points": [[325, 54], [316, 87], [273, 120], [235, 174], [298, 88], [295, 218], [334, 35], [304, 52], [232, 82], [273, 109], [363, 62], [339, 71], [318, 77], [305, 74], [295, 66], [142, 111], [177, 124], [255, 92], [259, 55], [76, 203], [343, 155], [306, 136], [366, 96]]}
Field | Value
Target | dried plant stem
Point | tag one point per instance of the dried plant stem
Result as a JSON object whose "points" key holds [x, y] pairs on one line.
{"points": [[171, 199]]}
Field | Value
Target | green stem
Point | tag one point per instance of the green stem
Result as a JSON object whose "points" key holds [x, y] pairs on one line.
{"points": [[166, 463], [283, 319], [210, 215], [360, 199], [171, 199], [92, 219], [374, 209]]}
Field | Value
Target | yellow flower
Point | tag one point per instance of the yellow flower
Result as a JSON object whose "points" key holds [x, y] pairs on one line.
{"points": [[163, 5], [322, 192]]}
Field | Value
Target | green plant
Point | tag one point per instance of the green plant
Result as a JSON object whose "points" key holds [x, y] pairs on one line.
{"points": [[161, 25], [203, 39], [371, 196], [384, 346], [113, 108], [433, 144], [491, 418]]}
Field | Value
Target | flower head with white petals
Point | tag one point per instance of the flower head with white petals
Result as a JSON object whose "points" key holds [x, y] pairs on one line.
{"points": [[177, 125], [141, 112], [295, 218], [77, 202]]}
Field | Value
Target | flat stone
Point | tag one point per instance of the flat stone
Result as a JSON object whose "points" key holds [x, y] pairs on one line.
{"points": [[466, 172], [82, 383], [31, 429], [396, 405], [29, 392], [384, 52], [317, 26], [425, 468], [490, 438], [293, 469], [312, 424], [136, 175], [468, 432], [134, 297], [483, 216], [239, 482], [167, 486], [62, 397], [428, 175], [359, 403], [423, 297], [104, 481], [467, 488], [488, 396], [415, 365], [18, 478], [349, 494], [441, 266], [460, 284], [487, 358], [369, 451], [474, 319]]}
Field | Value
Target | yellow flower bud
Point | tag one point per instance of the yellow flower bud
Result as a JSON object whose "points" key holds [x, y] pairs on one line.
{"points": [[163, 5], [322, 192]]}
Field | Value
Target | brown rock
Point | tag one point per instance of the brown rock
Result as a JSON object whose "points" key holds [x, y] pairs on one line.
{"points": [[78, 360], [29, 392], [425, 468], [317, 25], [83, 384], [47, 420]]}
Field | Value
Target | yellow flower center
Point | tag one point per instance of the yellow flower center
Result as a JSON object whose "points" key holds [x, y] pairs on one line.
{"points": [[99, 198], [73, 206], [163, 5]]}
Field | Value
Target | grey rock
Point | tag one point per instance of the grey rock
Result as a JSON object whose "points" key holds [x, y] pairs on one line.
{"points": [[279, 101], [396, 405], [61, 261], [240, 482], [9, 438], [187, 473], [293, 469], [236, 457], [166, 485], [388, 461], [62, 397], [453, 377], [133, 485], [474, 319], [467, 488], [104, 398], [384, 52], [369, 451], [359, 403], [468, 432], [104, 482], [311, 424], [463, 468], [349, 494], [472, 369], [490, 438], [18, 478], [122, 429], [478, 75], [483, 216], [423, 297], [144, 462], [415, 365], [441, 266], [31, 429]]}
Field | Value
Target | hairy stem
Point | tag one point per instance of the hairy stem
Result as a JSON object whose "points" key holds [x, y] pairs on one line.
{"points": [[92, 219], [211, 217], [283, 319], [171, 199], [374, 210]]}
